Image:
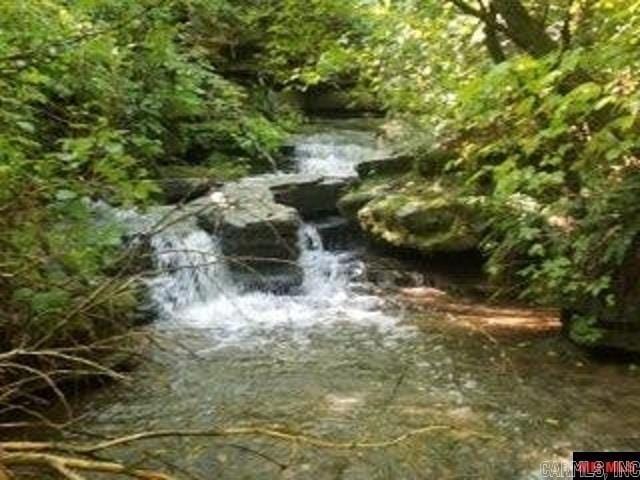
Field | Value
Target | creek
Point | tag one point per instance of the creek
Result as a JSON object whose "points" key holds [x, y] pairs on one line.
{"points": [[342, 359]]}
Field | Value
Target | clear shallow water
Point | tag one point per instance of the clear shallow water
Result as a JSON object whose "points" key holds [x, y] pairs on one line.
{"points": [[341, 362]]}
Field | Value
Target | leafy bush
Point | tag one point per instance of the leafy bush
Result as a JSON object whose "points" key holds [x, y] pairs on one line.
{"points": [[552, 142], [94, 96]]}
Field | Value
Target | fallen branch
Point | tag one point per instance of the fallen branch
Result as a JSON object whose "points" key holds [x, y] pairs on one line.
{"points": [[230, 432], [66, 466], [68, 458]]}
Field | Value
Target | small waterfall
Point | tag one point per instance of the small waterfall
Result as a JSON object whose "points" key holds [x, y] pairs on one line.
{"points": [[334, 154], [193, 288], [327, 275], [191, 269]]}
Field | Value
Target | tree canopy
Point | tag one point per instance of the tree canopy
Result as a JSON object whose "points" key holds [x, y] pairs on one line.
{"points": [[538, 101]]}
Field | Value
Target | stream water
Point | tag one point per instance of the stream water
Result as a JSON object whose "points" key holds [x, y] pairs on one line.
{"points": [[341, 361]]}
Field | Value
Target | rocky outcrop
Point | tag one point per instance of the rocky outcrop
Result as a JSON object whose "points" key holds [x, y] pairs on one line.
{"points": [[415, 213], [257, 220], [312, 197], [258, 236], [430, 224]]}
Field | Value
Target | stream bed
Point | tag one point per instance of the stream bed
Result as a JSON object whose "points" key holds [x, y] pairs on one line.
{"points": [[343, 360]]}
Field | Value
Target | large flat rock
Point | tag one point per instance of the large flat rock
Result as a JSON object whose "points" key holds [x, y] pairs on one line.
{"points": [[311, 196], [257, 220]]}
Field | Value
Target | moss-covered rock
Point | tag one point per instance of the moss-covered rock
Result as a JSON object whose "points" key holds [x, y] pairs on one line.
{"points": [[430, 224], [412, 212], [350, 204]]}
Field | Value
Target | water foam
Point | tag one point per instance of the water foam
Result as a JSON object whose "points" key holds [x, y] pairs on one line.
{"points": [[198, 295], [335, 154], [193, 288]]}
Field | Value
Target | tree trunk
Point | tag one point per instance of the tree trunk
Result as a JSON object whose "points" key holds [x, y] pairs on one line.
{"points": [[492, 42], [523, 29]]}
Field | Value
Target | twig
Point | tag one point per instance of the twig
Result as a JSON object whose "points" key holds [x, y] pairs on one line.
{"points": [[240, 431]]}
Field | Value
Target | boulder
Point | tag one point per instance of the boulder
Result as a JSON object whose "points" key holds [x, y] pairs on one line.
{"points": [[313, 197], [414, 213], [430, 224], [260, 235], [252, 227], [258, 219]]}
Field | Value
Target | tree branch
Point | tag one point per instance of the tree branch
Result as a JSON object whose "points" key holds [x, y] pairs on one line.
{"points": [[468, 9]]}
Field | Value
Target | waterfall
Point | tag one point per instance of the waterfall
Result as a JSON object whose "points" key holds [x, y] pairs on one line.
{"points": [[195, 289], [335, 154], [192, 286], [190, 267]]}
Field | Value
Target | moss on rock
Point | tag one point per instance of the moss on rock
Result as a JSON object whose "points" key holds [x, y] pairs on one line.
{"points": [[411, 212]]}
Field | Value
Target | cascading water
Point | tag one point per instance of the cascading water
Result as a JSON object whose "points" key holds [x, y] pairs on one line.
{"points": [[335, 153], [195, 290], [319, 361], [193, 287], [191, 269]]}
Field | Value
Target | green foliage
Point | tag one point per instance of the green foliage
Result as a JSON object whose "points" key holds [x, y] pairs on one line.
{"points": [[551, 143], [585, 331], [95, 95], [562, 156]]}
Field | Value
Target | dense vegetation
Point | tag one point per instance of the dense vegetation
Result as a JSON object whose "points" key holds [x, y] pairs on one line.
{"points": [[535, 103], [520, 120], [96, 97], [539, 103], [535, 106]]}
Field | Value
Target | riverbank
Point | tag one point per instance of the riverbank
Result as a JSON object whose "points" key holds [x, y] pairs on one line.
{"points": [[364, 350]]}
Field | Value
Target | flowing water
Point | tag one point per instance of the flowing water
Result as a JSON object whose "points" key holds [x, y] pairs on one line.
{"points": [[342, 361]]}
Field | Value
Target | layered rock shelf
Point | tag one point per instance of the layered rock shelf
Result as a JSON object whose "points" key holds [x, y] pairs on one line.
{"points": [[258, 219]]}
